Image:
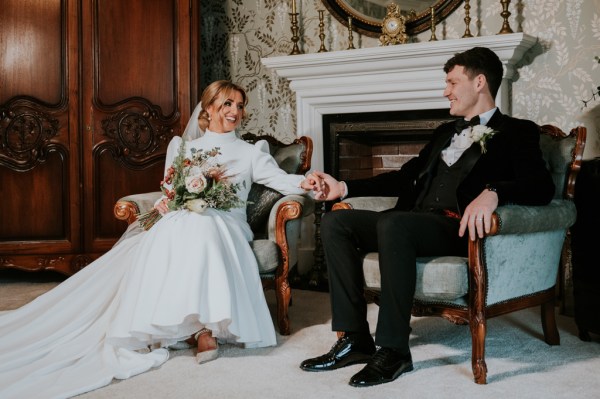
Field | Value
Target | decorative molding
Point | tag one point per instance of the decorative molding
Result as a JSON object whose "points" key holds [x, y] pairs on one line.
{"points": [[50, 262], [136, 132], [25, 135], [80, 261], [393, 126], [68, 264], [6, 261]]}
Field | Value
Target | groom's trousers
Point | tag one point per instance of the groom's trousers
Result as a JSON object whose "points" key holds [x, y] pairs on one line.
{"points": [[399, 237]]}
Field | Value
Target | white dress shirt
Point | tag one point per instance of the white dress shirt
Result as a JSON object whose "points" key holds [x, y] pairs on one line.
{"points": [[460, 142]]}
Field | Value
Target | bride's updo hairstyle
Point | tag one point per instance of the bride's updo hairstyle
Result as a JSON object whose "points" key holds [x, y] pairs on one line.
{"points": [[216, 94]]}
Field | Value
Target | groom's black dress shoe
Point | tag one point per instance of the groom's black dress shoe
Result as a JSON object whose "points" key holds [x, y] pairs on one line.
{"points": [[386, 365], [348, 350]]}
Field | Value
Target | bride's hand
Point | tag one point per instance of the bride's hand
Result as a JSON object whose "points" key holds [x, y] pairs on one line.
{"points": [[162, 207], [312, 183]]}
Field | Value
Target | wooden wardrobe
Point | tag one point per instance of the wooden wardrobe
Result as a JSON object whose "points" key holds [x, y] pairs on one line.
{"points": [[91, 92]]}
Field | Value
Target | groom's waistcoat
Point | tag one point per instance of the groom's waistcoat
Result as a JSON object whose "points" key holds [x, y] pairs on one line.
{"points": [[440, 192]]}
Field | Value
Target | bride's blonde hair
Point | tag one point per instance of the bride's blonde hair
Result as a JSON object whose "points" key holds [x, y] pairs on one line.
{"points": [[217, 93]]}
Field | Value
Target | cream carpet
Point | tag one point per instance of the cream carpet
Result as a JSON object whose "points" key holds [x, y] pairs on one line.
{"points": [[520, 364]]}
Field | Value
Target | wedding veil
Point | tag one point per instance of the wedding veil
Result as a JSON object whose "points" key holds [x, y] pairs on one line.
{"points": [[192, 130]]}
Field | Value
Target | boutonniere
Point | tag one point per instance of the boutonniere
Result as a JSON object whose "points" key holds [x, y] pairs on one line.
{"points": [[481, 134]]}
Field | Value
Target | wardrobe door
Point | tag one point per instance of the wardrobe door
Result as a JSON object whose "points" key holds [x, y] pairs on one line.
{"points": [[91, 92], [39, 142], [137, 93]]}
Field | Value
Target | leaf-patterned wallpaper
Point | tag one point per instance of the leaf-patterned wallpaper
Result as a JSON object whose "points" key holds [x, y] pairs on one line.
{"points": [[556, 75]]}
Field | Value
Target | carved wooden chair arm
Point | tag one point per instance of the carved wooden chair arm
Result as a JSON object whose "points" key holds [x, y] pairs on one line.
{"points": [[127, 208], [285, 221]]}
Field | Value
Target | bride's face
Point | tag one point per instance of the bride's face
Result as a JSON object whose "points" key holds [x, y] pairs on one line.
{"points": [[229, 115]]}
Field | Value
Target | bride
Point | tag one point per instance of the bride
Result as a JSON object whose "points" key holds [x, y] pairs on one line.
{"points": [[191, 277]]}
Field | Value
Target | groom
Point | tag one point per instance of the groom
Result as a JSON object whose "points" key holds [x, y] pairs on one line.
{"points": [[452, 187]]}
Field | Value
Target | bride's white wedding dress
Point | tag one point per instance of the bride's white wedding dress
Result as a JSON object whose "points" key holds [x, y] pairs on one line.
{"points": [[153, 288]]}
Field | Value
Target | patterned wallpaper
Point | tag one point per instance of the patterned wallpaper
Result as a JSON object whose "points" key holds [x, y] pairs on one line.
{"points": [[555, 76]]}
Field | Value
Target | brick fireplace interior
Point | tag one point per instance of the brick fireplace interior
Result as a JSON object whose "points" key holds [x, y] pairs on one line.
{"points": [[361, 145]]}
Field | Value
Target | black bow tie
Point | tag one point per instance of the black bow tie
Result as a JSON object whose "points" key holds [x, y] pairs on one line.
{"points": [[462, 124]]}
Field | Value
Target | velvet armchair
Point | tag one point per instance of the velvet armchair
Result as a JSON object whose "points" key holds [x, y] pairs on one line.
{"points": [[514, 267]]}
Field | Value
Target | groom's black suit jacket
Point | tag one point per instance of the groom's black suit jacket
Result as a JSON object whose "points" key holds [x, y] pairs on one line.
{"points": [[513, 165]]}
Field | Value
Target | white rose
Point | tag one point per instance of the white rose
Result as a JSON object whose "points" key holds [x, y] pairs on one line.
{"points": [[480, 134], [195, 182], [479, 131], [196, 205]]}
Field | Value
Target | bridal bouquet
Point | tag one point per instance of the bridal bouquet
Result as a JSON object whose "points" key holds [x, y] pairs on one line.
{"points": [[195, 183]]}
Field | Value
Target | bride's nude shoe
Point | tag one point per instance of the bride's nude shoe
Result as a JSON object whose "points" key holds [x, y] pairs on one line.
{"points": [[208, 347], [185, 344]]}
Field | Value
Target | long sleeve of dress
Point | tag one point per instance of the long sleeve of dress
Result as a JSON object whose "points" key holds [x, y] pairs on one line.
{"points": [[172, 151], [266, 171]]}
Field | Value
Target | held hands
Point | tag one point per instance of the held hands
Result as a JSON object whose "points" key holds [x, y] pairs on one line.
{"points": [[329, 189], [312, 182], [321, 185], [478, 215]]}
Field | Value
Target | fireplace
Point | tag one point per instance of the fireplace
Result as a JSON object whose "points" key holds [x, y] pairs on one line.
{"points": [[367, 144]]}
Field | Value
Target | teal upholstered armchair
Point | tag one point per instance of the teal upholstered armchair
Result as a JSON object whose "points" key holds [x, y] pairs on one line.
{"points": [[275, 220], [512, 268]]}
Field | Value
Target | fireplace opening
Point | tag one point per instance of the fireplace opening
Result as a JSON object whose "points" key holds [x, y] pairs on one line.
{"points": [[362, 145]]}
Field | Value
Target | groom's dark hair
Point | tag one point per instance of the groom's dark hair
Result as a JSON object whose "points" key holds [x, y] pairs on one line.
{"points": [[479, 60]]}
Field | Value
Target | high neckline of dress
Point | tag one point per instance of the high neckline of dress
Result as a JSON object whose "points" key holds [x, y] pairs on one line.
{"points": [[220, 138]]}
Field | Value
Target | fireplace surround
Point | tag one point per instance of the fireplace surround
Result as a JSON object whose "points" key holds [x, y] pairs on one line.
{"points": [[389, 78]]}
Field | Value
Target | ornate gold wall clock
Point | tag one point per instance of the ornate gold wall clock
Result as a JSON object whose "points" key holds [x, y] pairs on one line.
{"points": [[393, 27]]}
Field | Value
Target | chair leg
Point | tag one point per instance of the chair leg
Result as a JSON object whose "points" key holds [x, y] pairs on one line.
{"points": [[283, 294], [478, 331], [551, 335]]}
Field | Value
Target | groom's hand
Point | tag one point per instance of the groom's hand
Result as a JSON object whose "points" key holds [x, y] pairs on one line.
{"points": [[332, 189], [477, 217]]}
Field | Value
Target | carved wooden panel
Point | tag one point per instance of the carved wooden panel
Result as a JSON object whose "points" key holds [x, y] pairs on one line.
{"points": [[138, 66], [38, 166]]}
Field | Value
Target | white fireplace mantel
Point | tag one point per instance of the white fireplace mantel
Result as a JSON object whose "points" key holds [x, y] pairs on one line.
{"points": [[392, 78]]}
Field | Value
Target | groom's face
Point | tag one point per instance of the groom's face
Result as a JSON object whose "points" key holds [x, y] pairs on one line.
{"points": [[462, 93]]}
